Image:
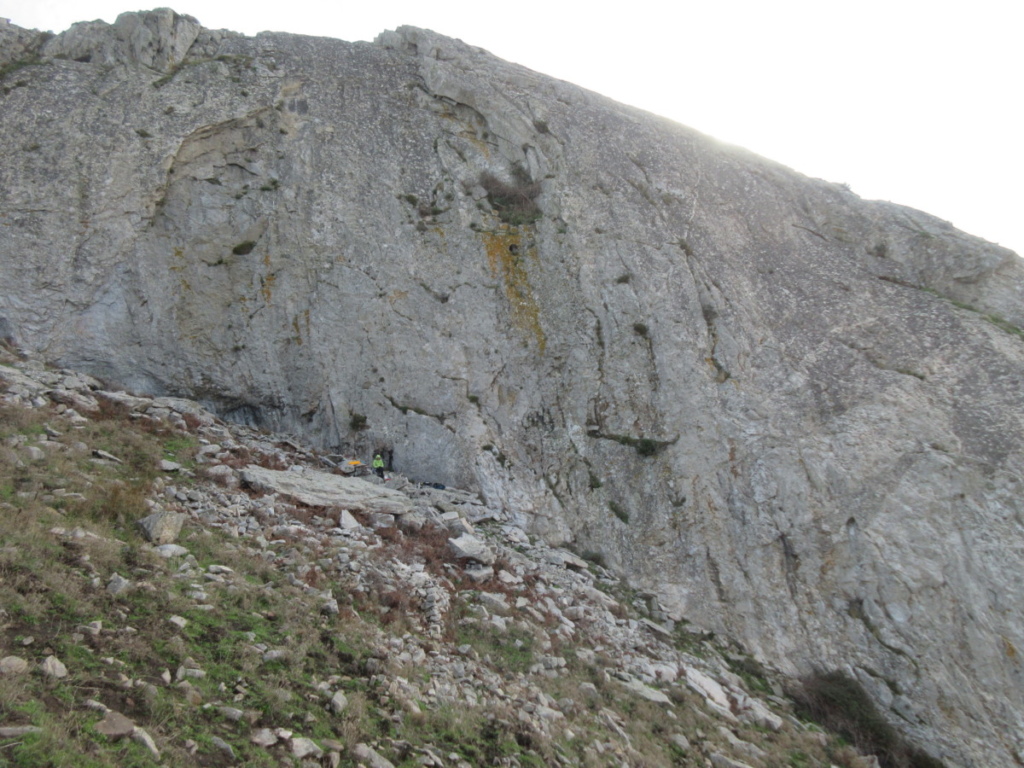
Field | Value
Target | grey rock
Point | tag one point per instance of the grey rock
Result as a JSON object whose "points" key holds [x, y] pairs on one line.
{"points": [[302, 748], [53, 667], [13, 665], [115, 726], [330, 607], [458, 526], [264, 737], [347, 522], [369, 755], [76, 400], [680, 741], [161, 527], [565, 559], [320, 489], [645, 691], [223, 746], [129, 402], [156, 39], [141, 735], [118, 584], [171, 550], [479, 573], [105, 456], [801, 432], [469, 547], [738, 745], [494, 602], [338, 702], [223, 474]]}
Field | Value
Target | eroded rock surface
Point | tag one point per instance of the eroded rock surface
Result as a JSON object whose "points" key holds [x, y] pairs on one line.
{"points": [[792, 414]]}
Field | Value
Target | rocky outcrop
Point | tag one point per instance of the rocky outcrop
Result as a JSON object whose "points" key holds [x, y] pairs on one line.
{"points": [[790, 413]]}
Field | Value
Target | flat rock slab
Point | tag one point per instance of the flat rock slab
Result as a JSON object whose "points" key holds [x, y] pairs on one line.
{"points": [[115, 725], [320, 489], [646, 692]]}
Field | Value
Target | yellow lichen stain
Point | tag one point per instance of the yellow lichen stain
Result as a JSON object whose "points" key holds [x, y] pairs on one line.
{"points": [[395, 295], [505, 258], [1009, 648], [179, 254], [267, 286], [479, 143]]}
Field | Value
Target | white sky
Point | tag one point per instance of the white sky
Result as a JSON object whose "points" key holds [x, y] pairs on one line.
{"points": [[914, 101]]}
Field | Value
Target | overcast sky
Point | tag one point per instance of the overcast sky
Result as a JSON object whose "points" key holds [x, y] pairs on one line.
{"points": [[914, 101]]}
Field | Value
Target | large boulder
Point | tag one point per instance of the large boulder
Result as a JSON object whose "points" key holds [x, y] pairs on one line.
{"points": [[321, 489]]}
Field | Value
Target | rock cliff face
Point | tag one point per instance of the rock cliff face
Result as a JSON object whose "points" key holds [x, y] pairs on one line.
{"points": [[794, 415]]}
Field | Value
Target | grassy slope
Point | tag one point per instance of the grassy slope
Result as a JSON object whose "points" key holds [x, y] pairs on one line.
{"points": [[53, 585]]}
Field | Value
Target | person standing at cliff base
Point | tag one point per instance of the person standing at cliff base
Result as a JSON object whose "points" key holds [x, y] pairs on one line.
{"points": [[378, 466]]}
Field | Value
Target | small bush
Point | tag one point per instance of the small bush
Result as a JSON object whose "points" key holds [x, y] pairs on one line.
{"points": [[14, 66], [618, 511], [597, 558], [640, 329], [646, 447], [357, 422], [243, 249], [839, 703]]}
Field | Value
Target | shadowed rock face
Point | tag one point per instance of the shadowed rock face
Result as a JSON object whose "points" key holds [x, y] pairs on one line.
{"points": [[794, 414]]}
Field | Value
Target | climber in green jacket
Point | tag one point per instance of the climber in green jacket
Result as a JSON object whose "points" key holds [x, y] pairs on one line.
{"points": [[378, 466]]}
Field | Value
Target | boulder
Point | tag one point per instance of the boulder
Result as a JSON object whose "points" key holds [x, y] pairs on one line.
{"points": [[13, 665], [368, 755], [321, 489], [53, 667], [161, 527], [115, 726], [469, 547]]}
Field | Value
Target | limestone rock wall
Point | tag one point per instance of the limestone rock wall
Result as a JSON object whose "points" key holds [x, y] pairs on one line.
{"points": [[794, 415]]}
